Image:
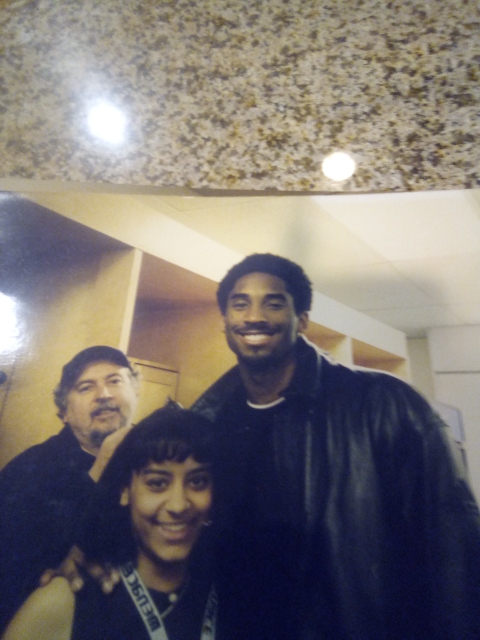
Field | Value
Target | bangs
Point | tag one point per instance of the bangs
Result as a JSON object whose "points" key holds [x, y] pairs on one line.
{"points": [[171, 450], [168, 434]]}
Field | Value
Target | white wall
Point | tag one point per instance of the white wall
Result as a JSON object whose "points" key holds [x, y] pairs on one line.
{"points": [[421, 366], [455, 357], [455, 348]]}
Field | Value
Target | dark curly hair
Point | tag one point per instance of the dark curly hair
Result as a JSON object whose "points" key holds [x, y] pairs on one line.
{"points": [[169, 433], [296, 281]]}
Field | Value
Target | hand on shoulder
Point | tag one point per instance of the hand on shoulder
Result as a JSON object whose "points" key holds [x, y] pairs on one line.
{"points": [[72, 567]]}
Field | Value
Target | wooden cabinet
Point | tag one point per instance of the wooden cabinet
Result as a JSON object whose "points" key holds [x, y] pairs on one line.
{"points": [[157, 383], [351, 351]]}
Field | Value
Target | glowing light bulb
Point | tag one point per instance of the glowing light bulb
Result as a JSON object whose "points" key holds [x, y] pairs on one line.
{"points": [[9, 325], [338, 166], [107, 122]]}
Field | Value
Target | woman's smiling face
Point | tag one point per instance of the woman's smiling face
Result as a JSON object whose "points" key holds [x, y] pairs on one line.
{"points": [[169, 505]]}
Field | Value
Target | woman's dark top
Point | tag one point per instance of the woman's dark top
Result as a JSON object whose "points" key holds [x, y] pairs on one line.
{"points": [[115, 617]]}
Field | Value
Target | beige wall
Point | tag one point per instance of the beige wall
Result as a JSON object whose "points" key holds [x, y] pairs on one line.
{"points": [[148, 224], [63, 308], [187, 338]]}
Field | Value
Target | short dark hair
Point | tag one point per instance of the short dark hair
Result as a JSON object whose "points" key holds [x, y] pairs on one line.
{"points": [[169, 433], [73, 370], [296, 281]]}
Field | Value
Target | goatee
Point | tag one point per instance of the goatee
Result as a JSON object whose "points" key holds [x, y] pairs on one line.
{"points": [[261, 364]]}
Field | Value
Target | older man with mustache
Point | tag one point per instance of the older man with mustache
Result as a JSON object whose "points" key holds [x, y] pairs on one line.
{"points": [[44, 490]]}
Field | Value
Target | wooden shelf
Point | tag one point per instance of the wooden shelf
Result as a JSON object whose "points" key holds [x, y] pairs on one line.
{"points": [[351, 351]]}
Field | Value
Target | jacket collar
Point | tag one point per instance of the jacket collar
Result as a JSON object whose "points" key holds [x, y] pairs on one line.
{"points": [[306, 377], [305, 381], [72, 449]]}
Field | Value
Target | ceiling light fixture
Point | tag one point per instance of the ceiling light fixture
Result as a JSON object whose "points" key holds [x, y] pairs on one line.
{"points": [[107, 122], [338, 166]]}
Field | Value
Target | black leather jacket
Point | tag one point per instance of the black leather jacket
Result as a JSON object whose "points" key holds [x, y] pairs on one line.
{"points": [[378, 535]]}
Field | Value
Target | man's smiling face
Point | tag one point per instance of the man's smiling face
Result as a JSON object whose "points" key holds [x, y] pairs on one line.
{"points": [[102, 401], [261, 325]]}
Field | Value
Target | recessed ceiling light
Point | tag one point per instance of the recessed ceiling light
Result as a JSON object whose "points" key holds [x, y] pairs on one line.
{"points": [[338, 166], [107, 122]]}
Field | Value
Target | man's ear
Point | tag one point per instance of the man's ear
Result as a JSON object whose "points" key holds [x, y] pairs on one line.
{"points": [[125, 497], [302, 321]]}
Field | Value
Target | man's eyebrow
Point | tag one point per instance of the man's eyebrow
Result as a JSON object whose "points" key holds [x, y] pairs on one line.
{"points": [[269, 296], [112, 375], [93, 381], [276, 296], [83, 381]]}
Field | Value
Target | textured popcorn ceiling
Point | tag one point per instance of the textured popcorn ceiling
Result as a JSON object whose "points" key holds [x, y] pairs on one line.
{"points": [[243, 94]]}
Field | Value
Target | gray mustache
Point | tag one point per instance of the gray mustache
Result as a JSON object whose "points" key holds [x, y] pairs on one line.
{"points": [[104, 407]]}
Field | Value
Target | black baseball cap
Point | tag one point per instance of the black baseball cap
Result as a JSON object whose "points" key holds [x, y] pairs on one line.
{"points": [[73, 369]]}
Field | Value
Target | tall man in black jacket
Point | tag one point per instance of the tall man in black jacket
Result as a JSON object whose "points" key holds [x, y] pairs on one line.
{"points": [[45, 489], [346, 515]]}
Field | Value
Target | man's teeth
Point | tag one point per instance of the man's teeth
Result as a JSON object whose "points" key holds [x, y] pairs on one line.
{"points": [[255, 337]]}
